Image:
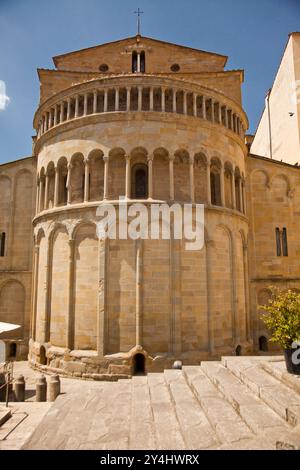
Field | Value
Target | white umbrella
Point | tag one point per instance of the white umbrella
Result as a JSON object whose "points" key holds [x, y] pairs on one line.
{"points": [[8, 327]]}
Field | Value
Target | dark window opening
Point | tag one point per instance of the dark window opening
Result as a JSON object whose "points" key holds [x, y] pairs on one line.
{"points": [[284, 242], [103, 68], [143, 62], [215, 189], [175, 68], [263, 343], [43, 360], [12, 350], [134, 62], [2, 244], [278, 242], [139, 364], [238, 350], [140, 182]]}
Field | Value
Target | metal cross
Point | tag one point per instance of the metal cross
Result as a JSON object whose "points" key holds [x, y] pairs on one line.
{"points": [[138, 13]]}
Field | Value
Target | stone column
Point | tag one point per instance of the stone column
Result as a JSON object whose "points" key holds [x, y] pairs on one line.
{"points": [[171, 177], [151, 99], [37, 198], [246, 288], [138, 62], [69, 109], [46, 337], [56, 187], [41, 202], [192, 183], [212, 110], [150, 176], [140, 97], [128, 99], [210, 293], [105, 106], [102, 323], [86, 180], [232, 120], [222, 185], [49, 119], [128, 174], [233, 189], [220, 113], [163, 100], [55, 115], [106, 168], [195, 104], [185, 103], [35, 289], [69, 183], [204, 107], [241, 194], [174, 101], [62, 111], [117, 99], [85, 104], [46, 192], [208, 182], [95, 101], [226, 117], [244, 196], [70, 318], [139, 291], [76, 106]]}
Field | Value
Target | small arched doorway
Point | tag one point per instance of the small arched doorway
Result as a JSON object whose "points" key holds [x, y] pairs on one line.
{"points": [[43, 360], [138, 363], [238, 350], [263, 343], [139, 188]]}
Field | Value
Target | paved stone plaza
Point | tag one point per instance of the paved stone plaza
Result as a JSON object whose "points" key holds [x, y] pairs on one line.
{"points": [[237, 403]]}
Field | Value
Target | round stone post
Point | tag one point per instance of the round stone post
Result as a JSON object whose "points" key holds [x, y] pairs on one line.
{"points": [[41, 389], [54, 387], [19, 389]]}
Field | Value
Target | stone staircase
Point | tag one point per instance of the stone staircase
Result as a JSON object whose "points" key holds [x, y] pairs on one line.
{"points": [[236, 403]]}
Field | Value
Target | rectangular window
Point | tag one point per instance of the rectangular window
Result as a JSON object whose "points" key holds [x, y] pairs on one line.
{"points": [[2, 244], [284, 242], [278, 242]]}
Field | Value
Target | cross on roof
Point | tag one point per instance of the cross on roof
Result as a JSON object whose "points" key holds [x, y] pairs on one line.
{"points": [[138, 13]]}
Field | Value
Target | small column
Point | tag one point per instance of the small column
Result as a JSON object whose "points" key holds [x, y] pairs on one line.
{"points": [[220, 113], [49, 120], [174, 101], [192, 183], [70, 317], [55, 115], [128, 99], [56, 187], [151, 99], [208, 182], [46, 192], [212, 110], [231, 120], [105, 101], [185, 103], [138, 62], [85, 104], [222, 185], [41, 202], [171, 176], [37, 200], [139, 292], [95, 102], [140, 97], [86, 180], [76, 106], [117, 99], [69, 109], [106, 166], [163, 100], [69, 196], [62, 111], [150, 176], [195, 104], [127, 182], [233, 190], [241, 193], [204, 107]]}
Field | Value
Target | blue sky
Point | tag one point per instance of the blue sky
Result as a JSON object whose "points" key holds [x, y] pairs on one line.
{"points": [[252, 33]]}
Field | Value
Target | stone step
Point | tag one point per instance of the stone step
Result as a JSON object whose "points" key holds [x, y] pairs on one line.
{"points": [[278, 396], [10, 425], [257, 416], [5, 414], [195, 427], [278, 370], [167, 430], [142, 434], [224, 418]]}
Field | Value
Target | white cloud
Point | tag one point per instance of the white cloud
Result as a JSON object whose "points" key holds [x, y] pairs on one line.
{"points": [[4, 99]]}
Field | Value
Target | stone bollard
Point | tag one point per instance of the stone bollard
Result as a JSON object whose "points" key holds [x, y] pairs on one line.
{"points": [[41, 388], [54, 387], [177, 365], [19, 388]]}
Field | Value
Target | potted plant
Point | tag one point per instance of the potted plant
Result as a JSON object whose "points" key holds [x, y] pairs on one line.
{"points": [[282, 317]]}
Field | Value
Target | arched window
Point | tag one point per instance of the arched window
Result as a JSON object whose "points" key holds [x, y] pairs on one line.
{"points": [[263, 343], [139, 181], [143, 62], [2, 244], [134, 62]]}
